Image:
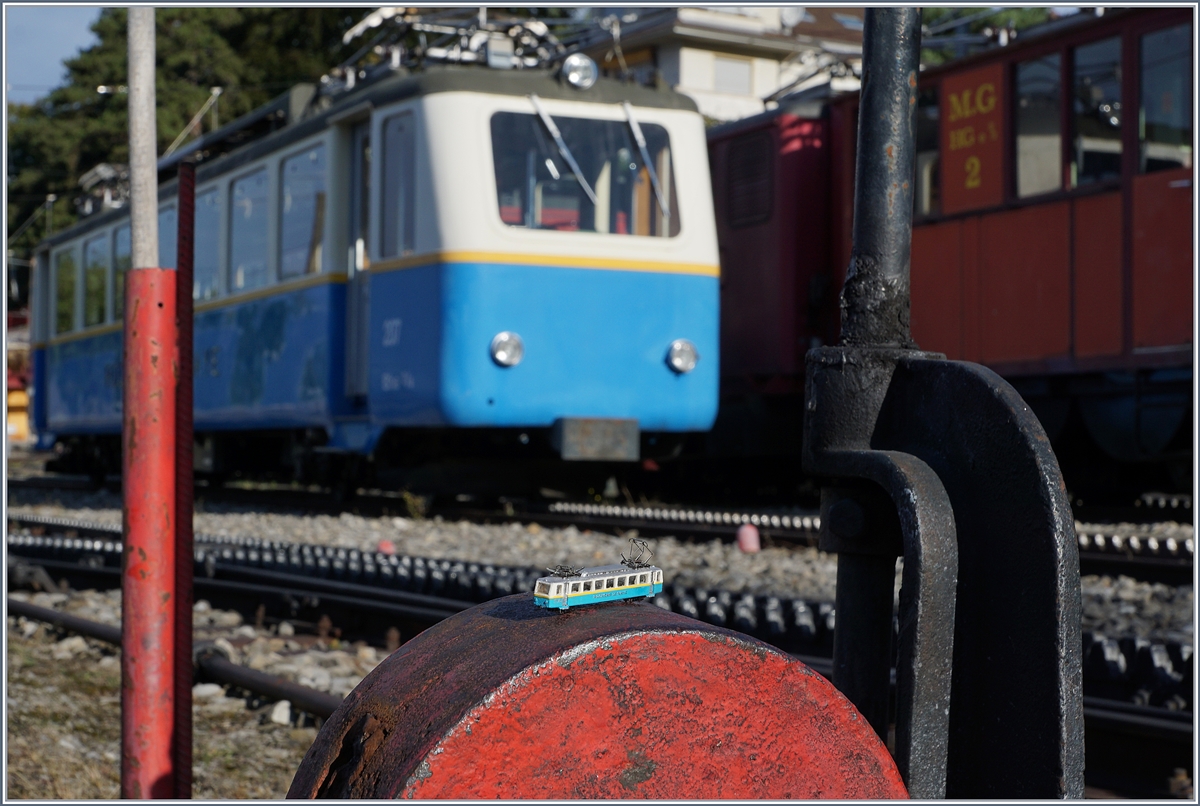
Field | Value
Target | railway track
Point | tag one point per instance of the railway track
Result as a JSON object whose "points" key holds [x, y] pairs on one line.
{"points": [[1138, 694], [1113, 540]]}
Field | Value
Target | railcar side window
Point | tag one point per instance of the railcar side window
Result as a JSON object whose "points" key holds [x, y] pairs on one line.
{"points": [[398, 207], [574, 587], [587, 586], [302, 213], [206, 279], [536, 188], [64, 291], [122, 260], [1165, 122], [1038, 126], [95, 280], [1097, 112], [609, 582], [168, 238], [248, 232]]}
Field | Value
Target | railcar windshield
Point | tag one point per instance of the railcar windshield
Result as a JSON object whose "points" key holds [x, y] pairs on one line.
{"points": [[537, 188]]}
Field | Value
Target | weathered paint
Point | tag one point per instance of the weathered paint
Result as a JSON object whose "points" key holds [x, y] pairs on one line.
{"points": [[148, 579], [625, 700]]}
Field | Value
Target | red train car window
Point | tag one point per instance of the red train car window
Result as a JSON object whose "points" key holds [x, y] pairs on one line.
{"points": [[1038, 125], [1166, 108], [1097, 112], [751, 188]]}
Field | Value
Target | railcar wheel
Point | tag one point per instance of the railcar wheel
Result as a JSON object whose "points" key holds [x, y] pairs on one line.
{"points": [[509, 700]]}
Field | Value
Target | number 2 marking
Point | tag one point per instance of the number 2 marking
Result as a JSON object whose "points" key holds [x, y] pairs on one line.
{"points": [[973, 166]]}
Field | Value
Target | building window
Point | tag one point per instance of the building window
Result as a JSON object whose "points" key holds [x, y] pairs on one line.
{"points": [[168, 238], [206, 282], [732, 76], [399, 165], [122, 260], [248, 232], [64, 291], [1165, 122], [95, 280], [1096, 90], [302, 218], [1038, 126], [926, 199]]}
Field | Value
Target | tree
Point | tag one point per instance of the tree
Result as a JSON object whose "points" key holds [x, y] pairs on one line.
{"points": [[253, 54], [951, 33]]}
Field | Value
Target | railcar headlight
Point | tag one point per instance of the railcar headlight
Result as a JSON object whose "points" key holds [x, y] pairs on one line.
{"points": [[507, 348], [682, 356], [580, 71]]}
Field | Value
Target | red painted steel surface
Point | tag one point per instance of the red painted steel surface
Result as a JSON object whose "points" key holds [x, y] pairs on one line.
{"points": [[937, 298], [1025, 289], [508, 700], [972, 147], [1098, 280], [183, 484], [1163, 260], [148, 578]]}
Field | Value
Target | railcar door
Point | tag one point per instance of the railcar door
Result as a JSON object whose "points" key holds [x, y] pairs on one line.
{"points": [[358, 311]]}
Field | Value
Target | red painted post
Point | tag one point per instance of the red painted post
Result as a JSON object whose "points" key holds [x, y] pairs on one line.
{"points": [[183, 486], [148, 578]]}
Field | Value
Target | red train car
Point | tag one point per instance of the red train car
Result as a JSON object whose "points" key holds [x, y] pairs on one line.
{"points": [[1052, 241]]}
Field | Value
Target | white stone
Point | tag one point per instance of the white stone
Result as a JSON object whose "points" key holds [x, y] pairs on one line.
{"points": [[281, 714], [286, 629], [245, 631], [207, 691], [68, 648]]}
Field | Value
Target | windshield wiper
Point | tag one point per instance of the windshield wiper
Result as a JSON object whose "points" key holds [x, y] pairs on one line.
{"points": [[562, 147], [641, 144]]}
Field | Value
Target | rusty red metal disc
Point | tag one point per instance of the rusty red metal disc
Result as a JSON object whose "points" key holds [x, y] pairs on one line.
{"points": [[622, 700]]}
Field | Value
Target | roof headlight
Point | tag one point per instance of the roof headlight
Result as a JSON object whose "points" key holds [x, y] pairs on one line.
{"points": [[682, 356], [580, 71], [507, 348]]}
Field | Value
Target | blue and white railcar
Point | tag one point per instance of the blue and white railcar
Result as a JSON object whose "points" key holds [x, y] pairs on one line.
{"points": [[605, 583], [458, 248]]}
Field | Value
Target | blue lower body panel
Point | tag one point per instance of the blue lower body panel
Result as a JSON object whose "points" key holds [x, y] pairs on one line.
{"points": [[272, 362], [595, 344]]}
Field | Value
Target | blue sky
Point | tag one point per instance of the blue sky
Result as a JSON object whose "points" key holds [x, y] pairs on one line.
{"points": [[36, 41]]}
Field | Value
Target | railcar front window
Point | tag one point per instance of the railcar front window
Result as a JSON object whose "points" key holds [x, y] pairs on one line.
{"points": [[122, 260], [1097, 112], [537, 189], [64, 291], [1165, 122], [543, 589], [248, 232], [206, 280], [95, 280], [303, 213], [1038, 126]]}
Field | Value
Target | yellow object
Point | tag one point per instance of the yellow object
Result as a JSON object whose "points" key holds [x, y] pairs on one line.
{"points": [[18, 415]]}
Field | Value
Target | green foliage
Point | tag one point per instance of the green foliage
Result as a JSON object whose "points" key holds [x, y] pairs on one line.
{"points": [[1016, 19], [253, 54]]}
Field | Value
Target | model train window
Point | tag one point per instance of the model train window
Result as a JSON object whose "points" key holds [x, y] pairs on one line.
{"points": [[926, 199], [95, 280], [536, 187], [206, 279], [302, 213], [168, 237], [399, 202], [64, 291], [122, 260], [1096, 90], [751, 189], [1038, 126], [1166, 114], [248, 232]]}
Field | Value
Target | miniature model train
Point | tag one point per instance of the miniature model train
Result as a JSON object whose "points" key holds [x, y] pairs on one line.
{"points": [[632, 578]]}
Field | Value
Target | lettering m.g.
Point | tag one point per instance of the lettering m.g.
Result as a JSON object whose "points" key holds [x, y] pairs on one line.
{"points": [[967, 104]]}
